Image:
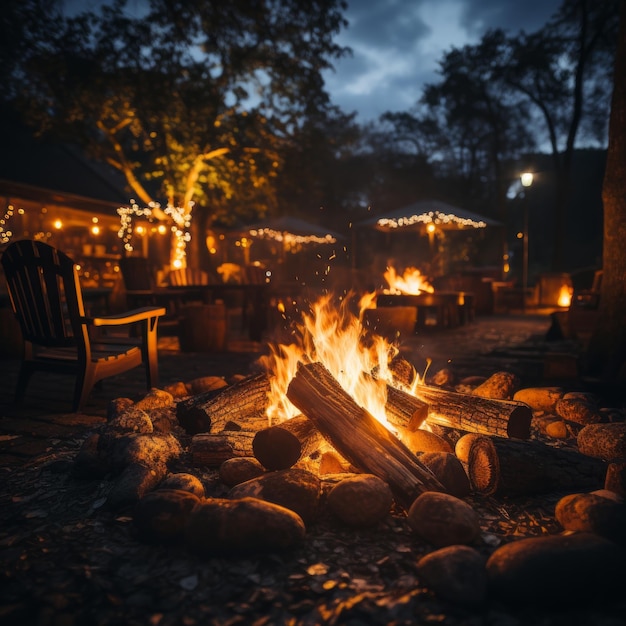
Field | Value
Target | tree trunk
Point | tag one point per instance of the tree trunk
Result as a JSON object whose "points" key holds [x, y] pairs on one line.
{"points": [[606, 353]]}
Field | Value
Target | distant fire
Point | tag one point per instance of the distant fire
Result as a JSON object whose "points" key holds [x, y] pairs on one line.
{"points": [[411, 282], [565, 296]]}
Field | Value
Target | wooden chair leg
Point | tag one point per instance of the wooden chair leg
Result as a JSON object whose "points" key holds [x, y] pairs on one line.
{"points": [[150, 353], [85, 381], [26, 371]]}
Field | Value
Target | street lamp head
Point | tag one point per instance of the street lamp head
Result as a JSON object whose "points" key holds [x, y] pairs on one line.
{"points": [[526, 179]]}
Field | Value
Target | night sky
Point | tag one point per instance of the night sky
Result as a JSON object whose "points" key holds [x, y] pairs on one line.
{"points": [[397, 45]]}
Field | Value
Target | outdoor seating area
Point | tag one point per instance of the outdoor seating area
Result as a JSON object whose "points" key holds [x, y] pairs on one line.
{"points": [[188, 288], [312, 313]]}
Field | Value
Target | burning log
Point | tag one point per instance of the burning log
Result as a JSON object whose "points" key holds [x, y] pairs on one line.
{"points": [[509, 467], [405, 410], [281, 446], [211, 450], [357, 435], [502, 418], [243, 403]]}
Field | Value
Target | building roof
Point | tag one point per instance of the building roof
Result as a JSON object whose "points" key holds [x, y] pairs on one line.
{"points": [[54, 171]]}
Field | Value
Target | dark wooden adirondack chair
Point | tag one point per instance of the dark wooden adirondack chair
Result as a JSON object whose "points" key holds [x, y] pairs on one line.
{"points": [[47, 301]]}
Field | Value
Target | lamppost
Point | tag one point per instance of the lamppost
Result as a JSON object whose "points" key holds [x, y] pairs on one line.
{"points": [[526, 179]]}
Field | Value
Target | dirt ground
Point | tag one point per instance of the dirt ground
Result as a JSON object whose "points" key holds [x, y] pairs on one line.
{"points": [[67, 560]]}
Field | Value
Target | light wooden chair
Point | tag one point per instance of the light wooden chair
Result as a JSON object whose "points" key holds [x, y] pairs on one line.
{"points": [[47, 301]]}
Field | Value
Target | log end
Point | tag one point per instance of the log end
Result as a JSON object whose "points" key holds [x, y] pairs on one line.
{"points": [[276, 448], [483, 466], [518, 426], [418, 418]]}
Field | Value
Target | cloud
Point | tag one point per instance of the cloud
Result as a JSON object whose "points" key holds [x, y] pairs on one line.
{"points": [[397, 45]]}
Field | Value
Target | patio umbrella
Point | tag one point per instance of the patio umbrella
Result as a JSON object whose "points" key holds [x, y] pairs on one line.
{"points": [[292, 232], [421, 214], [428, 217]]}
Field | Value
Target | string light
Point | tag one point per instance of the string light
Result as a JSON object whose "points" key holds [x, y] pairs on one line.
{"points": [[5, 235], [291, 241], [126, 214], [180, 230], [433, 217]]}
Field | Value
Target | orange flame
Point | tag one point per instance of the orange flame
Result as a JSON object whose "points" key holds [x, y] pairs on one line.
{"points": [[411, 282], [565, 296], [336, 337]]}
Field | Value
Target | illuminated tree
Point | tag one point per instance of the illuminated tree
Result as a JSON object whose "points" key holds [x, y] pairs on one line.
{"points": [[193, 101]]}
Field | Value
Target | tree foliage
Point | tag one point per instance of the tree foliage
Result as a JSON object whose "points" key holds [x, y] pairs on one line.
{"points": [[500, 99], [193, 101], [563, 72]]}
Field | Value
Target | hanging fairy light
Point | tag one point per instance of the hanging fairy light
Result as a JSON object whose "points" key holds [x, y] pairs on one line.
{"points": [[180, 230], [126, 214], [433, 217]]}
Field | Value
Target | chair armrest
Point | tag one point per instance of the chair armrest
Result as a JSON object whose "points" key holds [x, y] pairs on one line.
{"points": [[128, 317]]}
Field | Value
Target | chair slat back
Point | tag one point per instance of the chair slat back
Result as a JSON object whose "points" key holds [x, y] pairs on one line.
{"points": [[188, 276], [45, 293]]}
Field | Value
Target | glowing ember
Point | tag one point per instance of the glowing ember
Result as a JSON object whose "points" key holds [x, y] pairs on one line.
{"points": [[411, 282], [334, 336], [565, 296]]}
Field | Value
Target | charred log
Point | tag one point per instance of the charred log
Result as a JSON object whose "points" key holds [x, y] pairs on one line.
{"points": [[243, 403], [404, 410], [211, 450]]}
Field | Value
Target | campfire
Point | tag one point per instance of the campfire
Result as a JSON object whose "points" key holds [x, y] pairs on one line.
{"points": [[336, 337], [339, 419]]}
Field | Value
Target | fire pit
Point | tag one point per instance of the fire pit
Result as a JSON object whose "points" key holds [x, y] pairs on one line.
{"points": [[440, 309], [443, 309]]}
